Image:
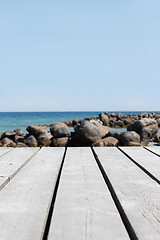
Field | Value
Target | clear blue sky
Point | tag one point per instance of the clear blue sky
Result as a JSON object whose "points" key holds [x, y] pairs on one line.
{"points": [[79, 55]]}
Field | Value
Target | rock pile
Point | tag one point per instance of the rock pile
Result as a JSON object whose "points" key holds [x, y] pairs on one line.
{"points": [[95, 131], [118, 120]]}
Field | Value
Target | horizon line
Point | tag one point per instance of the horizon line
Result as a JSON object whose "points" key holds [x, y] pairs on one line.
{"points": [[81, 111]]}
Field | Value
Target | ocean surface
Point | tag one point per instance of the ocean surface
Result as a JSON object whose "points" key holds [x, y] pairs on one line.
{"points": [[12, 120]]}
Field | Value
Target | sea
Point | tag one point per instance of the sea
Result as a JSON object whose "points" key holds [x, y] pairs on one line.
{"points": [[12, 120]]}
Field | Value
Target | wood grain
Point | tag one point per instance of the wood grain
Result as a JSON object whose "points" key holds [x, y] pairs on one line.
{"points": [[155, 149], [4, 150], [146, 159], [13, 161], [25, 201], [138, 194], [84, 208]]}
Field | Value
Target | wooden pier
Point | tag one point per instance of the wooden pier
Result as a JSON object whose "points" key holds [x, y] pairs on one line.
{"points": [[80, 193]]}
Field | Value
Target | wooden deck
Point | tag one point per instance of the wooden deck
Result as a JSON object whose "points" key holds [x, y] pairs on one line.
{"points": [[80, 193]]}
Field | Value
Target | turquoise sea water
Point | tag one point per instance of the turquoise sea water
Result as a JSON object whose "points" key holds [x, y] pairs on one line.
{"points": [[12, 120]]}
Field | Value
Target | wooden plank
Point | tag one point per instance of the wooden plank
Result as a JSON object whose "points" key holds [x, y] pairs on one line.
{"points": [[146, 159], [25, 201], [138, 194], [155, 149], [13, 161], [3, 181], [84, 208], [4, 150]]}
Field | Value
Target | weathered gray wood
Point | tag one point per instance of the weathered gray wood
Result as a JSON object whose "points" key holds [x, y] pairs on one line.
{"points": [[84, 208], [13, 161], [3, 181], [25, 201], [146, 159], [138, 194], [155, 149], [4, 150]]}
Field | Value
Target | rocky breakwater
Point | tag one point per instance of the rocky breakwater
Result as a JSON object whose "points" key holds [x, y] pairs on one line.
{"points": [[117, 120], [93, 132]]}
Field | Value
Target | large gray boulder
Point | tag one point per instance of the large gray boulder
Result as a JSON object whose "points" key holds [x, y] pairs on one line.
{"points": [[138, 125], [130, 138], [102, 129], [60, 129], [37, 130], [87, 133], [146, 128], [44, 139], [104, 118], [145, 136], [31, 141]]}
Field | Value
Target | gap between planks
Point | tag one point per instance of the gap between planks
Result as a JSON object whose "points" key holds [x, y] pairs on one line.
{"points": [[138, 194], [84, 208], [13, 161], [145, 160], [25, 201]]}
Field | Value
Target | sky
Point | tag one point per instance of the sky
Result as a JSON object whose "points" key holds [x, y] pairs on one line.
{"points": [[88, 55]]}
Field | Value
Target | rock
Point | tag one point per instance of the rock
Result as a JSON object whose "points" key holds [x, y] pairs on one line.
{"points": [[44, 139], [31, 141], [145, 136], [120, 123], [7, 142], [153, 129], [130, 138], [75, 121], [19, 132], [87, 133], [138, 125], [59, 142], [104, 118], [143, 115], [127, 121], [113, 115], [20, 144], [73, 141], [150, 125], [70, 123], [60, 130], [120, 115], [8, 134], [0, 135], [94, 118], [158, 121], [18, 139], [87, 119], [114, 133], [37, 130], [108, 141], [102, 129]]}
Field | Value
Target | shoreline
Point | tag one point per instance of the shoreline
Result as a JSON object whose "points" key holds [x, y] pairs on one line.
{"points": [[73, 132]]}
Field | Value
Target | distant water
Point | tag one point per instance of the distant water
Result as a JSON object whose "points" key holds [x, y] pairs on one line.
{"points": [[12, 120]]}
